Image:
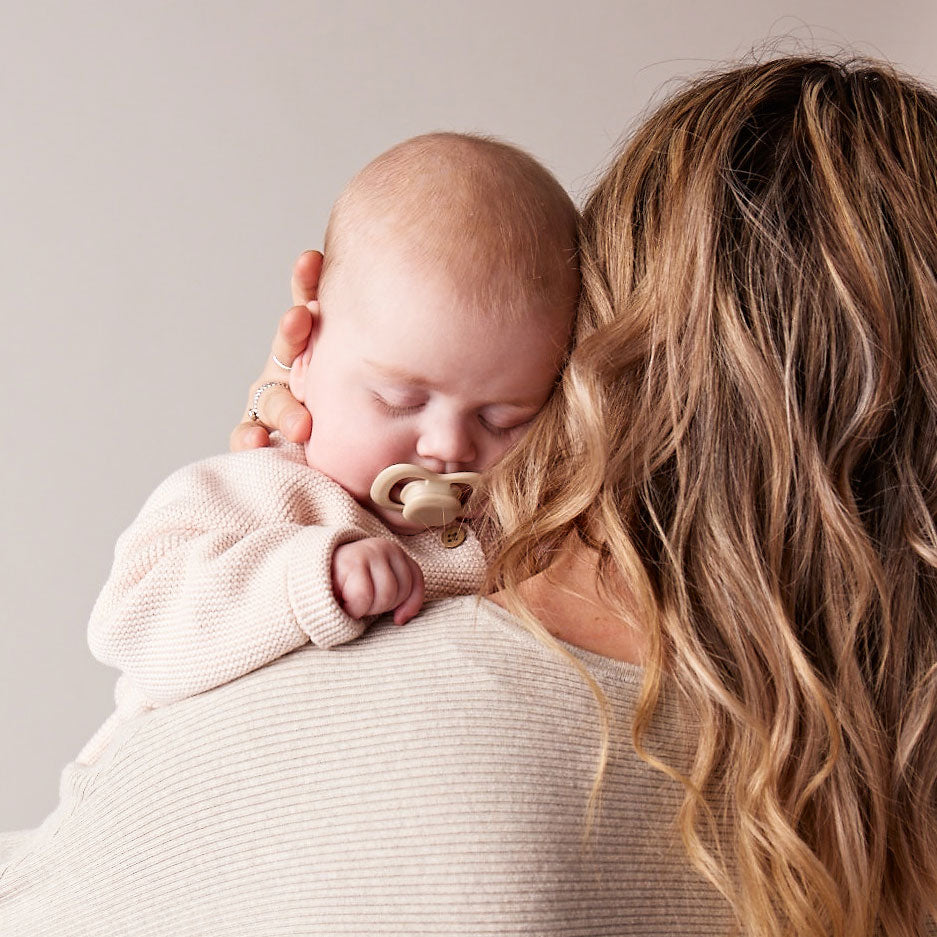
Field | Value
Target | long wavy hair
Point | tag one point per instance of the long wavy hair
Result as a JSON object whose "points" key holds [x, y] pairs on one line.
{"points": [[746, 434]]}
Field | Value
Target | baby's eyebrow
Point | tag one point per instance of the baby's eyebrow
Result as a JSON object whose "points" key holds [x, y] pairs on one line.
{"points": [[401, 374]]}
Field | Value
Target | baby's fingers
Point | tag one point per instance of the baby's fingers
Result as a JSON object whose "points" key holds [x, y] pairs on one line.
{"points": [[412, 600], [392, 581], [357, 592], [373, 576]]}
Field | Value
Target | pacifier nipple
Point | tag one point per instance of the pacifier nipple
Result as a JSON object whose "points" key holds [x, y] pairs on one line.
{"points": [[426, 498]]}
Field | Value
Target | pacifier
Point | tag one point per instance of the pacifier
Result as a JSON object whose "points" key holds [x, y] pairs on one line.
{"points": [[426, 498]]}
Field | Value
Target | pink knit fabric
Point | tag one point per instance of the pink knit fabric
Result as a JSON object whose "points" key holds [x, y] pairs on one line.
{"points": [[228, 567]]}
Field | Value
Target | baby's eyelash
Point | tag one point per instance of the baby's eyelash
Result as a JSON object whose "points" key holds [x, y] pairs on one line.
{"points": [[391, 410], [500, 430]]}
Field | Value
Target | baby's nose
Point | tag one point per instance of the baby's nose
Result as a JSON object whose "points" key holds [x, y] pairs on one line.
{"points": [[449, 444]]}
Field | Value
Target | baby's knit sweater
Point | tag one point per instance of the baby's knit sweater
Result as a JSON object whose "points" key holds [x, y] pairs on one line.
{"points": [[228, 567]]}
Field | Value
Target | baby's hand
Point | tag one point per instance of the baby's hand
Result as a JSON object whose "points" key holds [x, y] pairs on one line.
{"points": [[373, 576]]}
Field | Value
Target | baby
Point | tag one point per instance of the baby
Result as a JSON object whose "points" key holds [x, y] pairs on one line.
{"points": [[444, 314]]}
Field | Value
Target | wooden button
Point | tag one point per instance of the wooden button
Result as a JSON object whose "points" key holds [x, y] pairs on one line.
{"points": [[453, 537]]}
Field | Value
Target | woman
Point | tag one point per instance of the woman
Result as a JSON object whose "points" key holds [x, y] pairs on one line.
{"points": [[734, 488]]}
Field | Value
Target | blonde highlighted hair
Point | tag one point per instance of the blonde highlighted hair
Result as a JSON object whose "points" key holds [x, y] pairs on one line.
{"points": [[746, 433]]}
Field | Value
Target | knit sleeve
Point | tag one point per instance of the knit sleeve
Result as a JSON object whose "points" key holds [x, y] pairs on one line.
{"points": [[227, 567]]}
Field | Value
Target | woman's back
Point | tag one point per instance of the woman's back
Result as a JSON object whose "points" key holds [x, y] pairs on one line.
{"points": [[425, 780], [749, 439]]}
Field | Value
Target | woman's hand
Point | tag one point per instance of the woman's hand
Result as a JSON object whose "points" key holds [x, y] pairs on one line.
{"points": [[277, 407]]}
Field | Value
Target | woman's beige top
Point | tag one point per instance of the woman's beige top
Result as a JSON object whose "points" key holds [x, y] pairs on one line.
{"points": [[430, 779]]}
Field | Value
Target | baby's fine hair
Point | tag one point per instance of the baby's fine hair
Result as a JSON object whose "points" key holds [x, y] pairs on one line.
{"points": [[487, 214]]}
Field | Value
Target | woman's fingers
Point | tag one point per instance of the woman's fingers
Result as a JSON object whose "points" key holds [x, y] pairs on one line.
{"points": [[278, 409], [248, 436], [305, 281], [275, 407], [293, 333]]}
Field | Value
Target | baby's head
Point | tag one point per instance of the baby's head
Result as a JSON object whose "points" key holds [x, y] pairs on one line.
{"points": [[446, 303]]}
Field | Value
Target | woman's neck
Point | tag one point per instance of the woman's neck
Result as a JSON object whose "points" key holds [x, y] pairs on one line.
{"points": [[565, 599]]}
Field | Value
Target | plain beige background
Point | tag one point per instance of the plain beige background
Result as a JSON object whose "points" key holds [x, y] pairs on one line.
{"points": [[161, 164]]}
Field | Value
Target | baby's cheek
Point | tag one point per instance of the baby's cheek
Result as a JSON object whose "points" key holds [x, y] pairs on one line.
{"points": [[504, 444], [361, 460], [334, 454]]}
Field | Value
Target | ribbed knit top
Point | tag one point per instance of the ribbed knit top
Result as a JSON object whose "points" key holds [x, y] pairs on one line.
{"points": [[430, 779]]}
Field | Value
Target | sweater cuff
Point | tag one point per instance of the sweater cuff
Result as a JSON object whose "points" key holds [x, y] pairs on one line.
{"points": [[309, 586]]}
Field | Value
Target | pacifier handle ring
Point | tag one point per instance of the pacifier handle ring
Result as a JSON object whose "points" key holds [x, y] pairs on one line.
{"points": [[462, 478], [386, 479], [390, 476]]}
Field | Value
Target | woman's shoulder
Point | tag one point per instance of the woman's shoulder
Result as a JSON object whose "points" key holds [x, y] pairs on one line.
{"points": [[473, 638], [436, 774], [481, 613]]}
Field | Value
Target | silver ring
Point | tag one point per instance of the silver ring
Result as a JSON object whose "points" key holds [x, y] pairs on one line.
{"points": [[280, 364], [252, 414]]}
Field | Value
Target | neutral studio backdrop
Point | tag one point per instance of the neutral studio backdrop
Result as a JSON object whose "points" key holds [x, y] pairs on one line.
{"points": [[162, 163]]}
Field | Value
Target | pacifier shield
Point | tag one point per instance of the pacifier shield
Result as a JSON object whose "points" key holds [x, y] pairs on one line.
{"points": [[426, 498]]}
